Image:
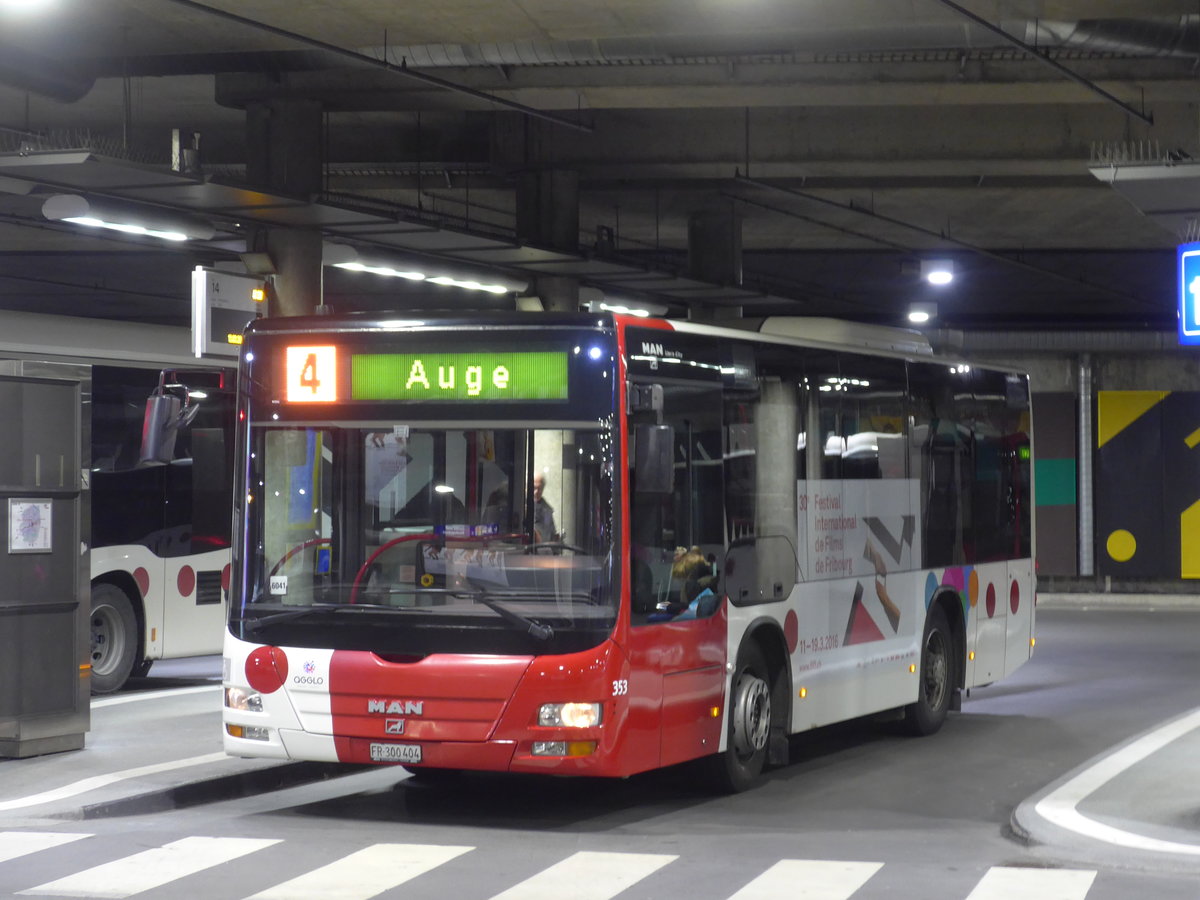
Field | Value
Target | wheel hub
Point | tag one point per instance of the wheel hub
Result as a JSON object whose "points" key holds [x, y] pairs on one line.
{"points": [[752, 715]]}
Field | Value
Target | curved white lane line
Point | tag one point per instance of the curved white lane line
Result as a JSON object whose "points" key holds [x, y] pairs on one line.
{"points": [[1059, 806], [152, 695], [99, 781]]}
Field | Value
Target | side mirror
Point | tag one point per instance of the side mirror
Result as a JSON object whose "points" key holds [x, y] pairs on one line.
{"points": [[160, 428], [653, 466]]}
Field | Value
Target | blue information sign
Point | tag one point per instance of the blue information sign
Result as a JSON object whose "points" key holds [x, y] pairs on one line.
{"points": [[1189, 293]]}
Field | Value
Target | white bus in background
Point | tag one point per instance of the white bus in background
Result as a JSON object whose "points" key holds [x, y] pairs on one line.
{"points": [[158, 539]]}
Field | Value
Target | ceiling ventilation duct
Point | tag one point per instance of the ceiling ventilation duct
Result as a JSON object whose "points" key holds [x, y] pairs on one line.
{"points": [[1177, 36]]}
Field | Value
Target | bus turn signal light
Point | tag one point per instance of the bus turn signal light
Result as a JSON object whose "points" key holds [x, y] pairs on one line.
{"points": [[564, 748]]}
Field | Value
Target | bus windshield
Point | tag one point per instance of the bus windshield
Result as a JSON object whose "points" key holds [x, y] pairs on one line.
{"points": [[411, 540]]}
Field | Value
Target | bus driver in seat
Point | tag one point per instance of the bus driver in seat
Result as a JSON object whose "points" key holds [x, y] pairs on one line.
{"points": [[696, 579]]}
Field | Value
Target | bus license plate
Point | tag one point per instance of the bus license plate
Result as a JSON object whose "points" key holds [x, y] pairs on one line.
{"points": [[399, 753]]}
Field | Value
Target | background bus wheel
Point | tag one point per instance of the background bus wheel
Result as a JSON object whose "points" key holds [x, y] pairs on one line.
{"points": [[749, 724], [114, 638], [937, 667]]}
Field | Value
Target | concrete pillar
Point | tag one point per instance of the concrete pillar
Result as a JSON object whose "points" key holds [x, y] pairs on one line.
{"points": [[283, 146], [548, 216], [548, 209], [715, 245], [284, 143], [299, 276], [557, 293]]}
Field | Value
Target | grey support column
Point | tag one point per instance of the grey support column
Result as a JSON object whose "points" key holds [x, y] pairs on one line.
{"points": [[715, 245], [284, 141], [548, 216], [1087, 562], [714, 252]]}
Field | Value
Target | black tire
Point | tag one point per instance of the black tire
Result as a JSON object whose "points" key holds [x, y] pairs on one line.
{"points": [[936, 676], [748, 717], [114, 638]]}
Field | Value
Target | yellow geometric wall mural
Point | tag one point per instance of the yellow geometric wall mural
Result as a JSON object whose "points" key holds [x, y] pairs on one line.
{"points": [[1117, 410], [1147, 484]]}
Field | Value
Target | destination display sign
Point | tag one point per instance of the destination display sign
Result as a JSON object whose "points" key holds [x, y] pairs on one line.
{"points": [[320, 374]]}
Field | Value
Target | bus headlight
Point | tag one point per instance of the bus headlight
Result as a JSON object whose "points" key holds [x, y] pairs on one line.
{"points": [[569, 715], [243, 699]]}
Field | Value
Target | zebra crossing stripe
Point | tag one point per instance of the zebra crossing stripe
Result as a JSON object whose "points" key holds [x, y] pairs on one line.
{"points": [[363, 874], [151, 868], [588, 875], [1011, 883], [809, 879], [21, 843]]}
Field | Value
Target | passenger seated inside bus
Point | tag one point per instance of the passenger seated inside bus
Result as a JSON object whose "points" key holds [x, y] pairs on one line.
{"points": [[692, 581]]}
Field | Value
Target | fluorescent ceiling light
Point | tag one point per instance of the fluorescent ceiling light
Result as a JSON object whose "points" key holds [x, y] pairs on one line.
{"points": [[26, 6], [921, 313], [639, 308], [937, 271], [125, 218], [433, 271]]}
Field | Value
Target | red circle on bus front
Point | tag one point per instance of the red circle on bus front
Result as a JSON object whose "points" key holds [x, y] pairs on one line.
{"points": [[266, 669], [225, 577], [1014, 597], [186, 582], [142, 577], [990, 600]]}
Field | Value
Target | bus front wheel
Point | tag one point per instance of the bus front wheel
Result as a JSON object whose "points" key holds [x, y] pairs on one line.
{"points": [[937, 667], [749, 724], [113, 637]]}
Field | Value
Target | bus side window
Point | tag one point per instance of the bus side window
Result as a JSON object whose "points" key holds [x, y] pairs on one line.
{"points": [[940, 458]]}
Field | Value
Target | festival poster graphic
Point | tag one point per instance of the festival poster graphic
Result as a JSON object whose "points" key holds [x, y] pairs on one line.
{"points": [[860, 529]]}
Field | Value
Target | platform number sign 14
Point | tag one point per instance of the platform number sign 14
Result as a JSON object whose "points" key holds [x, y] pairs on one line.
{"points": [[312, 375]]}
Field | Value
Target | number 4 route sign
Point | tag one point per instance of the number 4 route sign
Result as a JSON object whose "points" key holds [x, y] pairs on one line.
{"points": [[1189, 294]]}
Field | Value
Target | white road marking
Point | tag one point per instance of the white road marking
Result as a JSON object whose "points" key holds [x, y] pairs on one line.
{"points": [[1010, 883], [364, 874], [22, 843], [99, 781], [153, 695], [587, 875], [151, 868], [1059, 806], [809, 879]]}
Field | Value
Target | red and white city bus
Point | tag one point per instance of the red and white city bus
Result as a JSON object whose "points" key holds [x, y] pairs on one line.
{"points": [[748, 534]]}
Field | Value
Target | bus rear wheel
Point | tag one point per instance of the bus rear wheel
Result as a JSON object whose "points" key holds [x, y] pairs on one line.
{"points": [[749, 724], [936, 673], [113, 638]]}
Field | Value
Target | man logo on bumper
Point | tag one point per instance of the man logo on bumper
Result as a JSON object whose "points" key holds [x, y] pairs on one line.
{"points": [[393, 726]]}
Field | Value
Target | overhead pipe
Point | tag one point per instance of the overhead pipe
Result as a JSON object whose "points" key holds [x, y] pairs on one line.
{"points": [[1086, 503]]}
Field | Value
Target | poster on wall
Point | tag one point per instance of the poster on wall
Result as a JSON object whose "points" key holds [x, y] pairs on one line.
{"points": [[29, 526]]}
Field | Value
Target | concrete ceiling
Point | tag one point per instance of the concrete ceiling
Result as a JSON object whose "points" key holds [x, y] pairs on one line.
{"points": [[847, 139]]}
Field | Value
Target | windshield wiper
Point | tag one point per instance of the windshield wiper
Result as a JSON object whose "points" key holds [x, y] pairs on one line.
{"points": [[534, 629], [303, 612]]}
